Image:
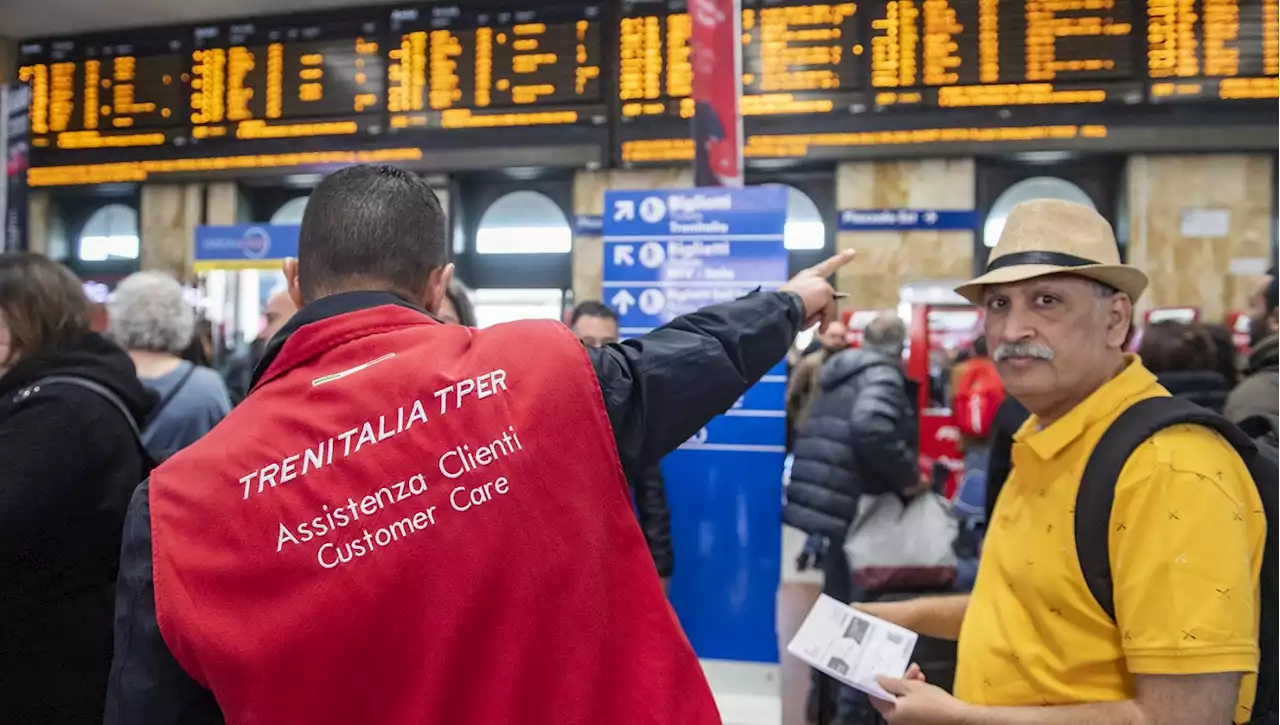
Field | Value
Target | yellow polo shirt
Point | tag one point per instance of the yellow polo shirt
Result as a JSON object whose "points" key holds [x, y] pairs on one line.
{"points": [[1187, 535]]}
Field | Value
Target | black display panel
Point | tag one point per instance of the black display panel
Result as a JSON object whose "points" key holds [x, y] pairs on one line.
{"points": [[459, 66], [91, 93], [797, 58], [815, 75], [289, 78], [972, 53], [1212, 49]]}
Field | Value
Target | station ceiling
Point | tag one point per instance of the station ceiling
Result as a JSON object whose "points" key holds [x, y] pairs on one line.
{"points": [[43, 18]]}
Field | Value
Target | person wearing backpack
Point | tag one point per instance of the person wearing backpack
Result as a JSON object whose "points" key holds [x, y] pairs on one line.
{"points": [[150, 319], [978, 395], [70, 459], [1122, 573]]}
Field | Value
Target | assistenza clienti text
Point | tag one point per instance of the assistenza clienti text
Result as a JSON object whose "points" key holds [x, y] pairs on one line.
{"points": [[372, 431]]}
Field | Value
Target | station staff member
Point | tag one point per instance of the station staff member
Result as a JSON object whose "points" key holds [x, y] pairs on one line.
{"points": [[412, 522]]}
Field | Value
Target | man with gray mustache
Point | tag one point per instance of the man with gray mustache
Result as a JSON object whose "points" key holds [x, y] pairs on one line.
{"points": [[1187, 523], [1022, 350]]}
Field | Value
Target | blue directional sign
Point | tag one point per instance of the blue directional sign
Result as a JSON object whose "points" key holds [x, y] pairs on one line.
{"points": [[588, 224], [904, 220], [668, 253]]}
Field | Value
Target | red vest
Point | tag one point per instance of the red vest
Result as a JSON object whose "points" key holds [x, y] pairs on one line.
{"points": [[410, 522]]}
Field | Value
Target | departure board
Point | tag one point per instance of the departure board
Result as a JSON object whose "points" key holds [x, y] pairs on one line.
{"points": [[816, 74], [264, 80], [966, 53], [1212, 49], [87, 94], [797, 57], [454, 66]]}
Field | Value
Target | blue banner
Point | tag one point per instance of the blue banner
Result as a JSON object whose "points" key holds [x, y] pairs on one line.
{"points": [[590, 224], [905, 220], [668, 253], [244, 246]]}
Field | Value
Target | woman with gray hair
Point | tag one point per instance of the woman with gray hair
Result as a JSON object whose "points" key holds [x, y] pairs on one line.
{"points": [[151, 320]]}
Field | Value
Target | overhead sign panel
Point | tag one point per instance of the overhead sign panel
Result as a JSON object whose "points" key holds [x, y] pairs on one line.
{"points": [[669, 253]]}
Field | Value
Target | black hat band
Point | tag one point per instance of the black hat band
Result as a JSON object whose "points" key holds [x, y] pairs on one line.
{"points": [[1052, 259]]}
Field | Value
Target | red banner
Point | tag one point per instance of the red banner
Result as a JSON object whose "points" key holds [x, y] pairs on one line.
{"points": [[717, 86]]}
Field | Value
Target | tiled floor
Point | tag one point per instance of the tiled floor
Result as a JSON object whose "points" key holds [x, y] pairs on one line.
{"points": [[746, 693]]}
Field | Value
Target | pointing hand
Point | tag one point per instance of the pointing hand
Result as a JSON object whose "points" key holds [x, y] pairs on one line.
{"points": [[817, 294]]}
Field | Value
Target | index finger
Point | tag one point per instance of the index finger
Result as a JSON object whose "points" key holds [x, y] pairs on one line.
{"points": [[828, 267]]}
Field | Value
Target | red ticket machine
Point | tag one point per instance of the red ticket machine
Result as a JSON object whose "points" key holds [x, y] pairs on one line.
{"points": [[937, 333]]}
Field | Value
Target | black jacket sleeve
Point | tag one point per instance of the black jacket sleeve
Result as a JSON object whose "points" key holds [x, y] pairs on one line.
{"points": [[146, 684], [660, 388], [655, 518], [883, 440]]}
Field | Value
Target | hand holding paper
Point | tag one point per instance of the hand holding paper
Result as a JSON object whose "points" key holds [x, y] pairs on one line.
{"points": [[854, 647], [917, 702]]}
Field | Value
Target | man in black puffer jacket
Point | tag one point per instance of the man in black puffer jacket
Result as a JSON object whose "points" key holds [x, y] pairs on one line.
{"points": [[861, 437]]}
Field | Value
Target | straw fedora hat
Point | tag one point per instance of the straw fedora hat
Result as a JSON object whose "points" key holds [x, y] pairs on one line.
{"points": [[1049, 236]]}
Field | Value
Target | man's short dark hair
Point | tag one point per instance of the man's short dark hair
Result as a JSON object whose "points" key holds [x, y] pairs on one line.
{"points": [[592, 308], [1272, 292], [370, 227]]}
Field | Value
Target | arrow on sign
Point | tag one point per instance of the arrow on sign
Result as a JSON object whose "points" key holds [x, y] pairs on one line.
{"points": [[623, 301], [930, 218], [624, 209], [622, 255]]}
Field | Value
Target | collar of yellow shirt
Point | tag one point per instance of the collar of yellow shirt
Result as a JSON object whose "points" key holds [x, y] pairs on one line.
{"points": [[1134, 382]]}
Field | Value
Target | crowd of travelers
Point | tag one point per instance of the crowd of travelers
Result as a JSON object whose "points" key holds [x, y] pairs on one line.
{"points": [[78, 389], [1156, 448]]}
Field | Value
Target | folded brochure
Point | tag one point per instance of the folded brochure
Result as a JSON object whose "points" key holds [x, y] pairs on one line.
{"points": [[853, 646]]}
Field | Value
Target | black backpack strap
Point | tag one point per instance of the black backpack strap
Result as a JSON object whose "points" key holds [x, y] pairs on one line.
{"points": [[1262, 426], [1098, 484], [108, 395], [173, 392]]}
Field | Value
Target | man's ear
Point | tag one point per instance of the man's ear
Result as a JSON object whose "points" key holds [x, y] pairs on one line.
{"points": [[290, 269], [437, 285], [1119, 320]]}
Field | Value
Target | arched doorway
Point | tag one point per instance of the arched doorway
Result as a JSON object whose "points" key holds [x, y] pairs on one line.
{"points": [[110, 234], [805, 230], [522, 238], [291, 211], [1037, 187], [1003, 182], [524, 222]]}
